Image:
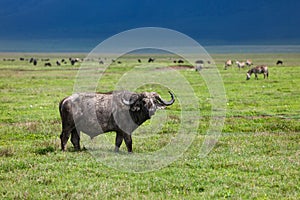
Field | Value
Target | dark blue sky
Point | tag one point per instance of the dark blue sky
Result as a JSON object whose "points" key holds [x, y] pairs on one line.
{"points": [[212, 22]]}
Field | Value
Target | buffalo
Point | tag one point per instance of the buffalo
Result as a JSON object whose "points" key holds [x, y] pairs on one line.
{"points": [[97, 113]]}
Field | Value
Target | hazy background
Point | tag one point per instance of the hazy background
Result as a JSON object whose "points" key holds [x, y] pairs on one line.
{"points": [[78, 26]]}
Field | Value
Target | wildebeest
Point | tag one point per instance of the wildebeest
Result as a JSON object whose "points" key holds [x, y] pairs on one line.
{"points": [[74, 60], [180, 61], [199, 62], [34, 62], [228, 63], [96, 113], [57, 63], [9, 59], [260, 69], [151, 60], [47, 64], [279, 62], [139, 60]]}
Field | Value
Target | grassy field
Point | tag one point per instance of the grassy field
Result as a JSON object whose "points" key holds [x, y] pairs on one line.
{"points": [[257, 155]]}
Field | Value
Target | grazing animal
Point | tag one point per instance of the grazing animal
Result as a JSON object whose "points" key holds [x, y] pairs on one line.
{"points": [[101, 62], [47, 64], [34, 62], [240, 64], [228, 63], [74, 60], [180, 61], [199, 62], [260, 69], [199, 67], [96, 113], [249, 62], [22, 59], [139, 60], [279, 62], [151, 60], [9, 59], [57, 63]]}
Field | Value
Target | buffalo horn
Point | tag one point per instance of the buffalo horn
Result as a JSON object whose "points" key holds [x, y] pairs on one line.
{"points": [[166, 103]]}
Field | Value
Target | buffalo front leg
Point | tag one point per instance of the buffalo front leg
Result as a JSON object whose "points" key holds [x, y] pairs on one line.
{"points": [[75, 139], [128, 142], [119, 140]]}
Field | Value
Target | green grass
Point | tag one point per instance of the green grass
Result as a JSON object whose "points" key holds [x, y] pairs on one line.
{"points": [[256, 156]]}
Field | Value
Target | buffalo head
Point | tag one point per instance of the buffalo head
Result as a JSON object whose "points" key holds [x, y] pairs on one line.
{"points": [[147, 102]]}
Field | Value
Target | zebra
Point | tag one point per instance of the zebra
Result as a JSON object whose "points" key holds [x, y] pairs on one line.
{"points": [[260, 69]]}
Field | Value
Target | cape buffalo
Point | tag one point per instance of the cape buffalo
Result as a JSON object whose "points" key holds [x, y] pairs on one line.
{"points": [[96, 113]]}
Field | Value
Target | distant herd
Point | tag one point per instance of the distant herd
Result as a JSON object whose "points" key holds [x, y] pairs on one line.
{"points": [[46, 61], [199, 64], [259, 69]]}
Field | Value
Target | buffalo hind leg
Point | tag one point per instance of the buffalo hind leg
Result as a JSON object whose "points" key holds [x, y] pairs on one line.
{"points": [[75, 139], [64, 137], [119, 140]]}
